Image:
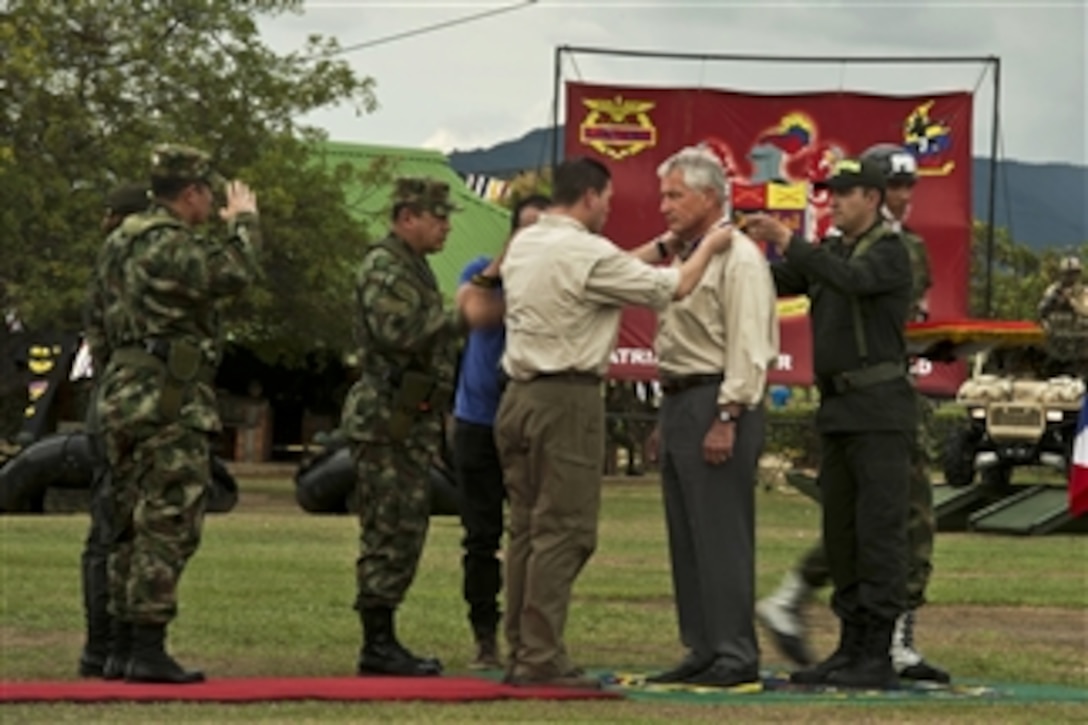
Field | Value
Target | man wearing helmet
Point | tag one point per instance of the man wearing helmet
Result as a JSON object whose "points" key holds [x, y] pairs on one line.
{"points": [[1067, 294], [781, 612]]}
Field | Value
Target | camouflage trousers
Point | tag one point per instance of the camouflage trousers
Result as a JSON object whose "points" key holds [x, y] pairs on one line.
{"points": [[392, 482], [921, 524], [158, 497]]}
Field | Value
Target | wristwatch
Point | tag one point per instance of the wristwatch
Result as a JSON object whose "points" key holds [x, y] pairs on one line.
{"points": [[662, 249], [724, 416], [487, 282]]}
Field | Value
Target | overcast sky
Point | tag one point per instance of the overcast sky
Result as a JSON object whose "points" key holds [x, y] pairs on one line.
{"points": [[490, 80]]}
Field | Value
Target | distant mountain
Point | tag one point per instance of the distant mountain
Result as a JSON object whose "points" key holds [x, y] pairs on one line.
{"points": [[1044, 205]]}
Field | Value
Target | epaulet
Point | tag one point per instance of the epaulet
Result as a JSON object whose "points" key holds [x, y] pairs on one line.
{"points": [[136, 224]]}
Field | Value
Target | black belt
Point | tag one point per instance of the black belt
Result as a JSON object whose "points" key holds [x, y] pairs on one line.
{"points": [[584, 377], [875, 374], [673, 384]]}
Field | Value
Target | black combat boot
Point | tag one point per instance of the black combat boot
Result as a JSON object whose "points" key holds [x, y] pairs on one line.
{"points": [[120, 650], [150, 663], [851, 640], [487, 648], [872, 668], [96, 649], [382, 654]]}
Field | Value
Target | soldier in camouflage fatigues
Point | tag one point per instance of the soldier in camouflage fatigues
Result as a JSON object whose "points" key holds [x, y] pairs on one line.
{"points": [[126, 199], [159, 285], [393, 414], [781, 611], [1067, 293]]}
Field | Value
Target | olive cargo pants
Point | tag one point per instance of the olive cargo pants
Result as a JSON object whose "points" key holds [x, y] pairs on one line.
{"points": [[550, 438]]}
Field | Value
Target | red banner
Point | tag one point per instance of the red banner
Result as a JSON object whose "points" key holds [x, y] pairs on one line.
{"points": [[775, 147]]}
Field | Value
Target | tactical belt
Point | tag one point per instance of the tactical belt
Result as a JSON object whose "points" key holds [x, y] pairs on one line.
{"points": [[583, 377], [864, 377], [671, 385], [155, 353]]}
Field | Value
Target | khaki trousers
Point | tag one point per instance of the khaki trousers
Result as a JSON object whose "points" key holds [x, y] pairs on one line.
{"points": [[550, 439]]}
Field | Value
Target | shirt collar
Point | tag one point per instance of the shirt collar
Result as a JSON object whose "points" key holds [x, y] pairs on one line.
{"points": [[553, 219]]}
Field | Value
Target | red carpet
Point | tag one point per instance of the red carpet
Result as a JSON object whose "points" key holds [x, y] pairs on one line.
{"points": [[438, 689]]}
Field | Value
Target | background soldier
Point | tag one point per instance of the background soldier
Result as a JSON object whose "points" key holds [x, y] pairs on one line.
{"points": [[1067, 293], [160, 285], [392, 415], [781, 612], [860, 287], [126, 199], [13, 376], [622, 430]]}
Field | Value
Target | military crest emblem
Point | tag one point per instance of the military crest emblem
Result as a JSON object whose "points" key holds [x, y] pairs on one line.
{"points": [[618, 127]]}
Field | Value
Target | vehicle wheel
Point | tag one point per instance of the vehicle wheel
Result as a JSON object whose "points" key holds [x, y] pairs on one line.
{"points": [[998, 478], [958, 458]]}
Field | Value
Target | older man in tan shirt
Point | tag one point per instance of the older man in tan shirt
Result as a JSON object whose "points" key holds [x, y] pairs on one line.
{"points": [[714, 349], [565, 287]]}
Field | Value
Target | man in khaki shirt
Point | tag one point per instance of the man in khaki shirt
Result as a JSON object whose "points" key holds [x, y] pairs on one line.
{"points": [[565, 287], [714, 349]]}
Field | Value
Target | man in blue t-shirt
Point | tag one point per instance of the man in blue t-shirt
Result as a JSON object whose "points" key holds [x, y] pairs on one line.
{"points": [[479, 473]]}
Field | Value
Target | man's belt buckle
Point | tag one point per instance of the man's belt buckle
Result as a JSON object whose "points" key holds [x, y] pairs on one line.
{"points": [[680, 383]]}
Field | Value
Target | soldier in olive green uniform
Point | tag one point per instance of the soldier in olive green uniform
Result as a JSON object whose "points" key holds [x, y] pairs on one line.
{"points": [[392, 416], [159, 285], [860, 287], [781, 612]]}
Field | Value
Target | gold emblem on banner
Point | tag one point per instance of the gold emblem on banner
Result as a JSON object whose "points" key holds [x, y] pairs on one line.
{"points": [[617, 127], [929, 140]]}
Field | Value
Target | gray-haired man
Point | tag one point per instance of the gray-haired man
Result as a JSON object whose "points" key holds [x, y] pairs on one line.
{"points": [[714, 348]]}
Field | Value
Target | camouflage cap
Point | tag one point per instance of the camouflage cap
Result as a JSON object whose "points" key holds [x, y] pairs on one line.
{"points": [[184, 163], [426, 194], [127, 198]]}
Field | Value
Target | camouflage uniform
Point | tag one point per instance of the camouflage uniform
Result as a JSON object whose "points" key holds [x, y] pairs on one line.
{"points": [[1066, 295], [121, 202], [13, 378], [159, 284], [921, 524], [393, 414]]}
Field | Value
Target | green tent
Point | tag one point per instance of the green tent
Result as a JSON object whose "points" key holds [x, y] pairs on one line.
{"points": [[480, 228]]}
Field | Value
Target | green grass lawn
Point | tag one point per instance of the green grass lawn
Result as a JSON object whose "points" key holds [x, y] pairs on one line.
{"points": [[271, 589]]}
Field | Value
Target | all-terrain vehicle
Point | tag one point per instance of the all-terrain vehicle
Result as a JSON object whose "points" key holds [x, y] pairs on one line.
{"points": [[1023, 400]]}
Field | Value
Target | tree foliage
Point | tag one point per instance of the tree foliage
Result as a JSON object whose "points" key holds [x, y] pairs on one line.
{"points": [[88, 86]]}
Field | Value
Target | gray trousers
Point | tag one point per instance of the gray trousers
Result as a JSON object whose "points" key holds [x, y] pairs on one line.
{"points": [[710, 513]]}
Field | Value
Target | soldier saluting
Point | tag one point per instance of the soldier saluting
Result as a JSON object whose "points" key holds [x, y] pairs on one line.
{"points": [[160, 285]]}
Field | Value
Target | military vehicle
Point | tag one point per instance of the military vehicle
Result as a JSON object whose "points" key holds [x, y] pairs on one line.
{"points": [[1022, 400]]}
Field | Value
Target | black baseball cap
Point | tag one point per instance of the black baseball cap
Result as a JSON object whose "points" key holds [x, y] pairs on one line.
{"points": [[851, 173]]}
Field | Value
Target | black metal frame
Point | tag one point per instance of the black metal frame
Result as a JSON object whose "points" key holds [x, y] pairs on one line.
{"points": [[990, 61]]}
